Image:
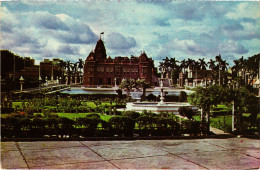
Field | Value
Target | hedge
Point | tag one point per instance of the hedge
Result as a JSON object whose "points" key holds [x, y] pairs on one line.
{"points": [[122, 126]]}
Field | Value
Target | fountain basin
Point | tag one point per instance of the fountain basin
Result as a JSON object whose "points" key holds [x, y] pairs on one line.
{"points": [[155, 107]]}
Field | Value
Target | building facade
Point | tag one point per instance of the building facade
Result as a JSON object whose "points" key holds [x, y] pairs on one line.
{"points": [[102, 70]]}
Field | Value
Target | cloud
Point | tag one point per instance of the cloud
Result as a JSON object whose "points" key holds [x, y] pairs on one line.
{"points": [[232, 47], [79, 32], [162, 22], [173, 29], [117, 41], [238, 30], [187, 11], [244, 10], [49, 21], [67, 49], [196, 11], [231, 25], [8, 21]]}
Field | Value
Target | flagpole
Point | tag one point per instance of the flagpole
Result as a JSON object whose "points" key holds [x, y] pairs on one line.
{"points": [[103, 35]]}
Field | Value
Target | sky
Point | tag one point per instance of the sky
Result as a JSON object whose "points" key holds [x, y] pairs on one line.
{"points": [[182, 29]]}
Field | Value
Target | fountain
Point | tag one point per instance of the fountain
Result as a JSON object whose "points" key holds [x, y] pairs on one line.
{"points": [[161, 98], [158, 107]]}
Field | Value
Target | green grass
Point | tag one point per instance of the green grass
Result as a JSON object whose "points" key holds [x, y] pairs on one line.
{"points": [[218, 122], [14, 104]]}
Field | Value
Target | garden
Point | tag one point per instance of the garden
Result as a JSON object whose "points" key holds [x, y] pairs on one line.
{"points": [[78, 116], [60, 115]]}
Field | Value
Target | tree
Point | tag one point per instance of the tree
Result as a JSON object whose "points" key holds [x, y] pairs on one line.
{"points": [[143, 84], [183, 96], [183, 65], [128, 85], [204, 98], [211, 64], [171, 68], [62, 66], [190, 63], [196, 66], [187, 112], [253, 67], [243, 101], [80, 64], [219, 60], [202, 64]]}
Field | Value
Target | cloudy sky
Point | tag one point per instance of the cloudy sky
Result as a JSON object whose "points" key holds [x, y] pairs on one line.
{"points": [[70, 30]]}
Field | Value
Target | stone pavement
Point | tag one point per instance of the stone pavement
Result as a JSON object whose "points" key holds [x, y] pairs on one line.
{"points": [[231, 153]]}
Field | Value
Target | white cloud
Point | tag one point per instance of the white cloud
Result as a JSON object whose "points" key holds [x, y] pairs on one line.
{"points": [[245, 10], [119, 42], [174, 29], [232, 47]]}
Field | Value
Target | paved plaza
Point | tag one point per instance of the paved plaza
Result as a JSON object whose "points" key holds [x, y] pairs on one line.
{"points": [[231, 153]]}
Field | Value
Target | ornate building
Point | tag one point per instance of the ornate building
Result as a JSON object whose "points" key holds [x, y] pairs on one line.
{"points": [[102, 70]]}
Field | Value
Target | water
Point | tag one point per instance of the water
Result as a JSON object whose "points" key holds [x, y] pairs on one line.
{"points": [[103, 91], [81, 91]]}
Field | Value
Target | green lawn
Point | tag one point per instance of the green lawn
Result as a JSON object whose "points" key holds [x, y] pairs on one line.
{"points": [[14, 104]]}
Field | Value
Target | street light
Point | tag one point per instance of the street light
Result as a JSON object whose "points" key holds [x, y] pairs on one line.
{"points": [[21, 82], [40, 81]]}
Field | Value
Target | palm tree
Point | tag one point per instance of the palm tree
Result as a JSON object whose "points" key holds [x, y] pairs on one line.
{"points": [[183, 65], [196, 65], [219, 60], [80, 64], [190, 64], [240, 65], [62, 66], [161, 68], [202, 64], [252, 67], [68, 65], [212, 65], [173, 62], [224, 65]]}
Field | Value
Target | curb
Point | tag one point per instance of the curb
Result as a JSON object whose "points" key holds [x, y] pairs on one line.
{"points": [[122, 138]]}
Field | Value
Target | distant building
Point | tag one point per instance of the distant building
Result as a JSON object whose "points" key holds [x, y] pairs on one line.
{"points": [[102, 70], [193, 78], [50, 70]]}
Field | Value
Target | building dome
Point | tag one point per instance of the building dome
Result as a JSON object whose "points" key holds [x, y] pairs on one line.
{"points": [[100, 50], [143, 57]]}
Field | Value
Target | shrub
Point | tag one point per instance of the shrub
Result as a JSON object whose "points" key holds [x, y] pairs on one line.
{"points": [[183, 96], [149, 114], [66, 126], [122, 125], [88, 125], [151, 97], [187, 112], [132, 114], [93, 115]]}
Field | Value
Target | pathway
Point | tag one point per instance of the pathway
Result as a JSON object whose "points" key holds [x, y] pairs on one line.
{"points": [[231, 153]]}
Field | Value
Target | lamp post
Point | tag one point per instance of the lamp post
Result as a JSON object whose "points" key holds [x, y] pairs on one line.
{"points": [[46, 79], [40, 82], [257, 85], [21, 83]]}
